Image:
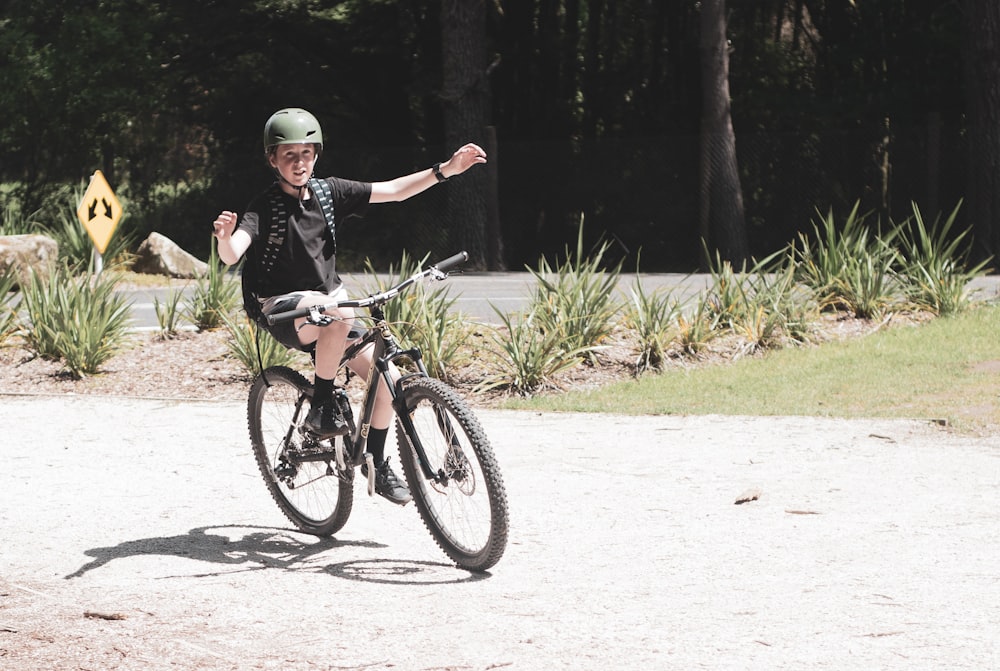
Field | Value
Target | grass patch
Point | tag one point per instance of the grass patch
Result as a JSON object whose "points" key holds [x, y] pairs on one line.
{"points": [[947, 369]]}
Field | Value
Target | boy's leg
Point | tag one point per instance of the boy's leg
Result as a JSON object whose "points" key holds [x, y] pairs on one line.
{"points": [[324, 417], [387, 483]]}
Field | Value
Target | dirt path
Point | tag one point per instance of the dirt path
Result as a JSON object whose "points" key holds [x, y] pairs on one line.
{"points": [[138, 535]]}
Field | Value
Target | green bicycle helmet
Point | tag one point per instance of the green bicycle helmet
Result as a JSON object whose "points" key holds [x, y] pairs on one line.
{"points": [[292, 125]]}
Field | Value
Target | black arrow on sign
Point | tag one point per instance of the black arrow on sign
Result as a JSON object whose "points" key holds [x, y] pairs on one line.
{"points": [[107, 208], [92, 211]]}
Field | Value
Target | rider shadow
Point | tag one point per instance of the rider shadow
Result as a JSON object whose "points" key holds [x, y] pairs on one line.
{"points": [[263, 549], [268, 548]]}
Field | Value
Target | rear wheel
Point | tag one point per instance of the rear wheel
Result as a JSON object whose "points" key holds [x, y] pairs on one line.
{"points": [[300, 472], [462, 500]]}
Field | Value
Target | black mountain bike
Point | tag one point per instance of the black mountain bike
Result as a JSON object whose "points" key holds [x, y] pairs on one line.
{"points": [[447, 460]]}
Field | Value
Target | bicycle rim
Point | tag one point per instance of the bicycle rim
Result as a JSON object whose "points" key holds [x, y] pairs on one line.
{"points": [[465, 506], [309, 493]]}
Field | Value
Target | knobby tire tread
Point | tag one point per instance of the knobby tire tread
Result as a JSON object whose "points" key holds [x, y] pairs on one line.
{"points": [[433, 390], [337, 518]]}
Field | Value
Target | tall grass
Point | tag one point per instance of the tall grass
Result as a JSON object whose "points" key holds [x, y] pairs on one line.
{"points": [[653, 317], [935, 264], [525, 357], [216, 296], [168, 313], [245, 338], [848, 266], [576, 301], [423, 317], [14, 221], [81, 321]]}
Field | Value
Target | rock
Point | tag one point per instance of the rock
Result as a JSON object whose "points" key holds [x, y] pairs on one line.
{"points": [[25, 253], [159, 255]]}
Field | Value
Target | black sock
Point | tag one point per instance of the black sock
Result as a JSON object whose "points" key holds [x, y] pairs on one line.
{"points": [[376, 444], [323, 391]]}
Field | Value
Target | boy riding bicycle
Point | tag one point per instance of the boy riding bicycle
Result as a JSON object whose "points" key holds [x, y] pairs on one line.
{"points": [[289, 237]]}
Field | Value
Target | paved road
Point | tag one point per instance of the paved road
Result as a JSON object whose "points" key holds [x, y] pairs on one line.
{"points": [[476, 293]]}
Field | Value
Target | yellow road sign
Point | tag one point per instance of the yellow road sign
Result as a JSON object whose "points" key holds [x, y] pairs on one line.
{"points": [[99, 211]]}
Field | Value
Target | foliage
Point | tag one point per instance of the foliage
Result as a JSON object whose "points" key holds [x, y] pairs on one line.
{"points": [[526, 357], [168, 313], [79, 320], [576, 302], [611, 106], [942, 369], [216, 296], [653, 317], [847, 267], [245, 339], [14, 221], [764, 304], [696, 328], [8, 313], [935, 264], [423, 317]]}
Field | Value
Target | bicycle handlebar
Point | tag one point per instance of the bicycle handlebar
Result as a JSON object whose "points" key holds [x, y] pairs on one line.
{"points": [[438, 271]]}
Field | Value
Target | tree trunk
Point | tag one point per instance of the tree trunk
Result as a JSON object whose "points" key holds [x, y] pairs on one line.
{"points": [[982, 85], [466, 99], [722, 222]]}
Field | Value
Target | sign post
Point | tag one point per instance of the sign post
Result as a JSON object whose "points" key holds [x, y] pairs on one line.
{"points": [[99, 212]]}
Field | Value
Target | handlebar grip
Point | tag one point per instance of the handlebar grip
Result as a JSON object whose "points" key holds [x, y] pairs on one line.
{"points": [[279, 317], [452, 261]]}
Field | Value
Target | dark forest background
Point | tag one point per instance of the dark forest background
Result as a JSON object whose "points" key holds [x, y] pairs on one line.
{"points": [[593, 111]]}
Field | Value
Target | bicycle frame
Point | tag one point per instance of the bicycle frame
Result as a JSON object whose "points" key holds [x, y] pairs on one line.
{"points": [[385, 352]]}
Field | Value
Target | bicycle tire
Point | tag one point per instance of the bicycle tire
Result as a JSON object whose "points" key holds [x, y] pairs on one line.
{"points": [[310, 493], [466, 512]]}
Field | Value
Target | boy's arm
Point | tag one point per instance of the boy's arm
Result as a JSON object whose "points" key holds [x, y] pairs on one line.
{"points": [[232, 244], [408, 186]]}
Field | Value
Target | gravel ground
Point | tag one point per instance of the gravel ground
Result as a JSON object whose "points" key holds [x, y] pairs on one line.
{"points": [[137, 534]]}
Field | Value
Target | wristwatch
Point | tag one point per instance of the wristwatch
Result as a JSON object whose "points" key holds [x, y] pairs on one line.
{"points": [[437, 172]]}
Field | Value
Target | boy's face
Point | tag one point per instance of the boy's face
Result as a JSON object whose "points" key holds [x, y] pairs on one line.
{"points": [[295, 162]]}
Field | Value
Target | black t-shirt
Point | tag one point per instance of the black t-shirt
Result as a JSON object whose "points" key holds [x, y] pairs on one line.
{"points": [[307, 260]]}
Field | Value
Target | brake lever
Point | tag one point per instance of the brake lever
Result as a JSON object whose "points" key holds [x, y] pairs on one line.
{"points": [[317, 317]]}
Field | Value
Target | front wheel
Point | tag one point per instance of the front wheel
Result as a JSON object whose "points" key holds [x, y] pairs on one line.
{"points": [[452, 474], [300, 472]]}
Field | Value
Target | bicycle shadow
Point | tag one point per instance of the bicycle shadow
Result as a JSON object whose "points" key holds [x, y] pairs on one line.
{"points": [[265, 548], [269, 548]]}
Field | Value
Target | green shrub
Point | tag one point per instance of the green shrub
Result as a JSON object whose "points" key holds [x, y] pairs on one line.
{"points": [[698, 327], [81, 321], [422, 317], [168, 313], [653, 318], [576, 301], [246, 337], [526, 357], [14, 221], [216, 296], [935, 264], [848, 268], [790, 305], [763, 305]]}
